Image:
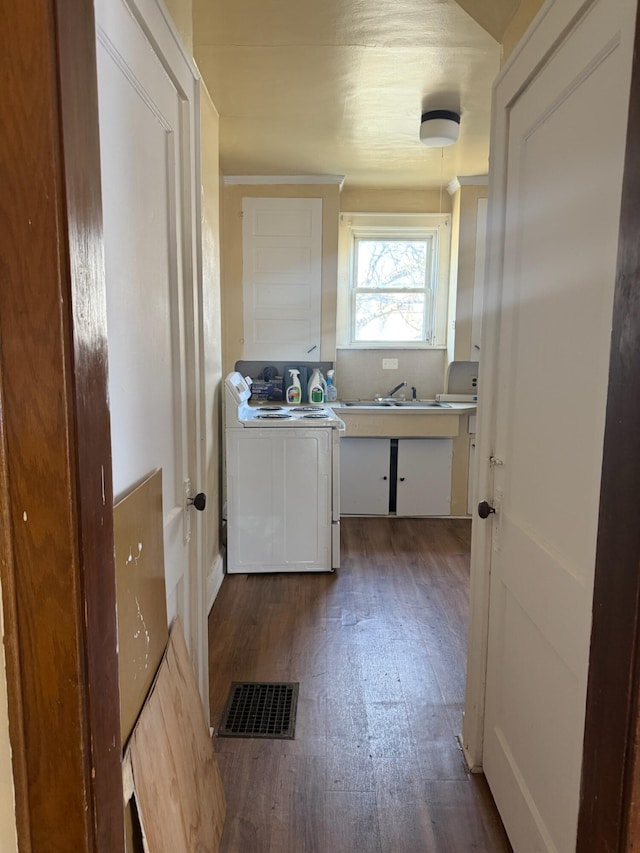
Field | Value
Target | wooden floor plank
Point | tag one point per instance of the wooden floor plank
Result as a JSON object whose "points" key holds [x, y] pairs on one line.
{"points": [[352, 823], [405, 821], [379, 651]]}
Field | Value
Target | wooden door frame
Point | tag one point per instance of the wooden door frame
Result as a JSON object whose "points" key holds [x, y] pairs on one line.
{"points": [[609, 817], [56, 544]]}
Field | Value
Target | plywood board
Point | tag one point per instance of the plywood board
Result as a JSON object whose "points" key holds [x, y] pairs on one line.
{"points": [[141, 597], [177, 784]]}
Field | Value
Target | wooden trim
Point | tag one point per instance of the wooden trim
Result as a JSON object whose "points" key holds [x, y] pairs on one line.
{"points": [[63, 699], [611, 757], [11, 649], [81, 152]]}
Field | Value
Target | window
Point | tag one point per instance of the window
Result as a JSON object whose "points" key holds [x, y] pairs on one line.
{"points": [[394, 280]]}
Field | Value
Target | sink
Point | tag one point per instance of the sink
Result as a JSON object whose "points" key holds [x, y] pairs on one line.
{"points": [[371, 404], [396, 404], [422, 404]]}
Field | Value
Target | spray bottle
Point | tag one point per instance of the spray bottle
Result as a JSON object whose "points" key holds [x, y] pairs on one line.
{"points": [[332, 391], [294, 391], [317, 387]]}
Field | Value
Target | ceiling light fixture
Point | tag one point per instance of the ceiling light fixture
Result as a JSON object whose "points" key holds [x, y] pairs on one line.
{"points": [[439, 128]]}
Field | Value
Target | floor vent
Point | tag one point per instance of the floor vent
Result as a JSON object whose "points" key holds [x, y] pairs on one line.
{"points": [[259, 709]]}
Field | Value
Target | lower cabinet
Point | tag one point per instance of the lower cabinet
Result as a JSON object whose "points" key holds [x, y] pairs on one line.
{"points": [[405, 476], [424, 476], [364, 476]]}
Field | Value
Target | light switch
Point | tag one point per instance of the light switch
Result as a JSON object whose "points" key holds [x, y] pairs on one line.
{"points": [[389, 363]]}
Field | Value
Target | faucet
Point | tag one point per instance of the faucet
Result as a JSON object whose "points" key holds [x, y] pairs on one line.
{"points": [[397, 388]]}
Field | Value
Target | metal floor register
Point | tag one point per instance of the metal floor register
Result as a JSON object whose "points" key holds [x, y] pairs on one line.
{"points": [[260, 709]]}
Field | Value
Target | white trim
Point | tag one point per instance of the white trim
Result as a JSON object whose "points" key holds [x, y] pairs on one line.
{"points": [[467, 181], [370, 224], [214, 582], [260, 180]]}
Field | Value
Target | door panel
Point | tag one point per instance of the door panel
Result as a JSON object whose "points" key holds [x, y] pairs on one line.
{"points": [[563, 189]]}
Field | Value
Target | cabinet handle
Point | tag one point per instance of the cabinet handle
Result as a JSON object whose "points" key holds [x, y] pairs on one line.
{"points": [[384, 478], [402, 479]]}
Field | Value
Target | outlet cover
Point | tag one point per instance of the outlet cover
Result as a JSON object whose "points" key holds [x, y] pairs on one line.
{"points": [[389, 363]]}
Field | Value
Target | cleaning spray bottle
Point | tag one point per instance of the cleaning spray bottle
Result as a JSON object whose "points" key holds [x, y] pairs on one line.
{"points": [[332, 391], [294, 391], [317, 388]]}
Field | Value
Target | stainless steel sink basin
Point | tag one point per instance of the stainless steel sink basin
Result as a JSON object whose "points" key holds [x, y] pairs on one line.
{"points": [[396, 404], [423, 404]]}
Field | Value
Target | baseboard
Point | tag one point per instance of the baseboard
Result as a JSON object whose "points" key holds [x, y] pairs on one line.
{"points": [[466, 756], [214, 582]]}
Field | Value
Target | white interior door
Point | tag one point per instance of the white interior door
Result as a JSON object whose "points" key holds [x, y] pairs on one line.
{"points": [[147, 139], [558, 178]]}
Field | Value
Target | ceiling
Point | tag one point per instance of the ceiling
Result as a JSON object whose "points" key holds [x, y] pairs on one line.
{"points": [[337, 87]]}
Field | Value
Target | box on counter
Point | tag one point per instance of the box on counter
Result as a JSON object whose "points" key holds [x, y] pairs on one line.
{"points": [[272, 390]]}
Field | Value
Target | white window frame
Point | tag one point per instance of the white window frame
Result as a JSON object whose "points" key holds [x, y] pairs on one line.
{"points": [[358, 226]]}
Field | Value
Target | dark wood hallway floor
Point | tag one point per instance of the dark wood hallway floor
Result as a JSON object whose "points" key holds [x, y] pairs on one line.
{"points": [[379, 649]]}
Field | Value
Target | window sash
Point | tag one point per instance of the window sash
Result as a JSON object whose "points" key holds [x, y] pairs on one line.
{"points": [[427, 240], [430, 237]]}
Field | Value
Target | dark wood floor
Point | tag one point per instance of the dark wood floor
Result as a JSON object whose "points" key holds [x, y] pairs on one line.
{"points": [[379, 649]]}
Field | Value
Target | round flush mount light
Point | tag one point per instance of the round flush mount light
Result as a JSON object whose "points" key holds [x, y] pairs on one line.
{"points": [[439, 128]]}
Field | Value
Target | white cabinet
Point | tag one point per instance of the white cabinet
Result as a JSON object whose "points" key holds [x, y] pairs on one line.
{"points": [[364, 476], [408, 476], [470, 233], [472, 463], [279, 500], [424, 476], [478, 279], [282, 278]]}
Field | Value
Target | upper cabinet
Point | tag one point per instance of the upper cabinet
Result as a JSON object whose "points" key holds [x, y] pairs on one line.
{"points": [[469, 220], [282, 278]]}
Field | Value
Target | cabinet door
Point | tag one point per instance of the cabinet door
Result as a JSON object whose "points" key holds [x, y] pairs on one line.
{"points": [[279, 500], [364, 476], [424, 476], [472, 462], [478, 279], [282, 278]]}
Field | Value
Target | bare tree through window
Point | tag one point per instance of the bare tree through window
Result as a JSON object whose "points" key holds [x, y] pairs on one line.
{"points": [[392, 296]]}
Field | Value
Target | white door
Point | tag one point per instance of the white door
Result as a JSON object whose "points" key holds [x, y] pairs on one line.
{"points": [[558, 148], [282, 278], [147, 137]]}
